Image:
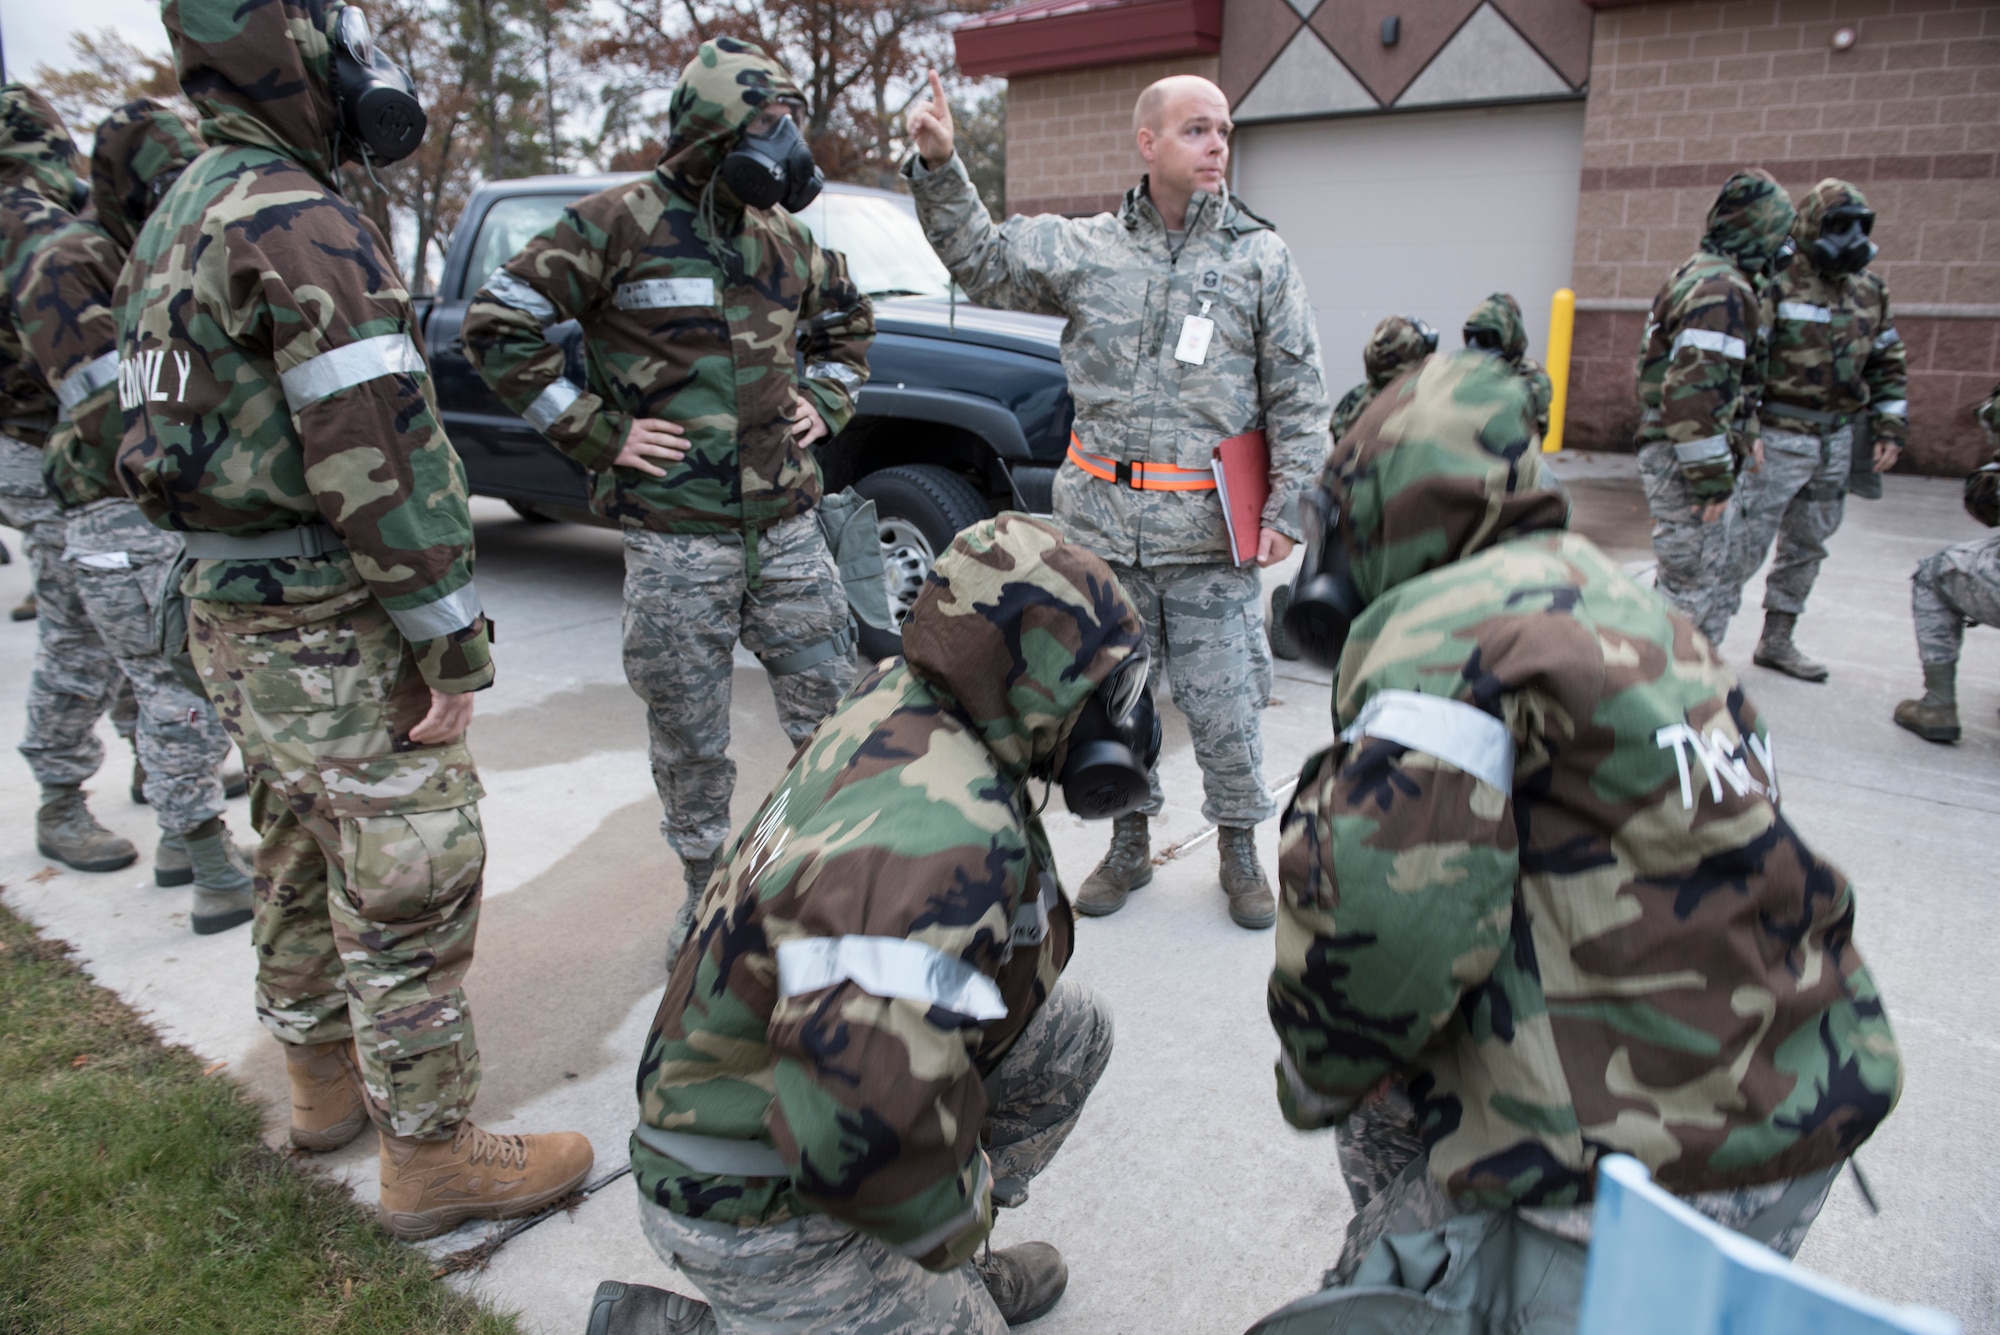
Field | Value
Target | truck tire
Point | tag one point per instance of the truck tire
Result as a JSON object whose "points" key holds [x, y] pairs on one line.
{"points": [[919, 509]]}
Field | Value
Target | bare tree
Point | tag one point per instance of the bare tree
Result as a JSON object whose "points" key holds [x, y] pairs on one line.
{"points": [[108, 73]]}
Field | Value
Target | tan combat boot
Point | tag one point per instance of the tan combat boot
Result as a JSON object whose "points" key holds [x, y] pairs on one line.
{"points": [[1776, 651], [1935, 717], [66, 831], [1127, 865], [1250, 903], [1024, 1281], [328, 1108], [432, 1186]]}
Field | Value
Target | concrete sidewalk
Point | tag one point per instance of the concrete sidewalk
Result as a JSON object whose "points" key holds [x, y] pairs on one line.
{"points": [[1182, 1203]]}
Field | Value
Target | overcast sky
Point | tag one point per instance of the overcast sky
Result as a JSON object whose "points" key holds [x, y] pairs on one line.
{"points": [[37, 32]]}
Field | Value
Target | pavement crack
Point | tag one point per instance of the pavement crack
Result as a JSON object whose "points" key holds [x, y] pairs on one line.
{"points": [[470, 1260], [1207, 832]]}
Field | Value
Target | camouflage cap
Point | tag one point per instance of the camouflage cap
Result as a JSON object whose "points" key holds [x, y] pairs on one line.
{"points": [[1821, 200], [1395, 346], [260, 73], [1019, 627], [140, 149], [35, 149], [1443, 464], [1502, 314], [1749, 220], [725, 87]]}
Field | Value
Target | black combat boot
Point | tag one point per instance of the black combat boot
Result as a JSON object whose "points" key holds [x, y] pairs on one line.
{"points": [[1024, 1281], [1282, 644], [696, 871], [1935, 717], [639, 1309], [66, 831], [1127, 865], [1776, 651], [222, 881], [1250, 903]]}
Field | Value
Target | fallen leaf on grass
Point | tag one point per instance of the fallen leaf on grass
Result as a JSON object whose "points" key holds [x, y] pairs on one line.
{"points": [[45, 875], [82, 1060], [346, 1285], [212, 1068]]}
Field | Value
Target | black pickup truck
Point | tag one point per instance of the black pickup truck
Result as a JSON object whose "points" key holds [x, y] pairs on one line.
{"points": [[966, 411]]}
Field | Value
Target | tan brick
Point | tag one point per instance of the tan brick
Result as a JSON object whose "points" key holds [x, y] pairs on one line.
{"points": [[1599, 209], [1885, 87], [1835, 88], [1638, 23], [1902, 28], [1656, 151], [1973, 284], [1875, 143], [1598, 281], [1801, 64], [1958, 23], [1693, 18], [1752, 148], [1757, 14], [1607, 155], [1947, 242], [1913, 283], [1787, 118], [1923, 201], [1769, 93], [1617, 245], [1638, 76], [1982, 110], [1684, 127], [1978, 199], [1969, 51], [1935, 139], [1725, 43], [1650, 207], [1804, 11], [1746, 69], [1847, 115], [1788, 38], [1710, 97], [1666, 48], [1916, 111]]}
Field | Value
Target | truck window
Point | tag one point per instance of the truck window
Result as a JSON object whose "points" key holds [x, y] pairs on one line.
{"points": [[509, 225], [885, 247]]}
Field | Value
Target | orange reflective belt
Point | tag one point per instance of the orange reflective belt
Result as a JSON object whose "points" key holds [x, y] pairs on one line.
{"points": [[1141, 476]]}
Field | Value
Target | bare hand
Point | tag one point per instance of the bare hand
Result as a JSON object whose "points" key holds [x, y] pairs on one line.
{"points": [[808, 426], [1712, 511], [930, 126], [450, 716], [1886, 454], [1272, 546], [652, 438], [1756, 455]]}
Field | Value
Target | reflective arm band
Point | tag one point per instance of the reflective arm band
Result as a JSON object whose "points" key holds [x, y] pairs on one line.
{"points": [[1892, 407], [1888, 338], [454, 611], [659, 294], [888, 967], [508, 290], [348, 366], [1708, 340], [1804, 312], [550, 404], [714, 1154], [1706, 450], [845, 376], [1459, 734], [86, 380]]}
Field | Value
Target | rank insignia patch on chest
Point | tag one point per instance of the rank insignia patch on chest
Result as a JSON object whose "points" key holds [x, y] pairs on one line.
{"points": [[1211, 279]]}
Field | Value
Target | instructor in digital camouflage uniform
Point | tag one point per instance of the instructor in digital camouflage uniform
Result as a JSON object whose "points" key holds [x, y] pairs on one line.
{"points": [[1539, 901], [280, 414], [120, 561], [1833, 364], [1188, 325], [870, 1043], [74, 678], [695, 426], [1697, 388]]}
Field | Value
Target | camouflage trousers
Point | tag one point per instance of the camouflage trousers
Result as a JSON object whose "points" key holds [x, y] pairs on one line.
{"points": [[371, 862], [688, 599], [119, 564], [1204, 629], [75, 678], [1694, 572], [1797, 496], [1951, 589], [815, 1273]]}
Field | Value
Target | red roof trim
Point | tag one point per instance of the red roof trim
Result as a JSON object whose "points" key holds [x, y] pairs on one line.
{"points": [[1049, 35]]}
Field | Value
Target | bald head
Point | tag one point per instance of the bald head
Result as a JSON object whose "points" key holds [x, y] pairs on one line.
{"points": [[1165, 96], [1182, 128]]}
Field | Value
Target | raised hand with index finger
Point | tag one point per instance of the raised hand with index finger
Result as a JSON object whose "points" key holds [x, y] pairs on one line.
{"points": [[930, 126]]}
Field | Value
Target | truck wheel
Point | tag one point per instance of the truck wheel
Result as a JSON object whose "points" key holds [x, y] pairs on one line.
{"points": [[919, 509]]}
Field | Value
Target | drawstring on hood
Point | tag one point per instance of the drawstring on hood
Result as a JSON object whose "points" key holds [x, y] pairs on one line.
{"points": [[140, 149], [1019, 628], [1749, 220], [35, 149], [260, 72], [723, 89], [1502, 314], [1396, 345]]}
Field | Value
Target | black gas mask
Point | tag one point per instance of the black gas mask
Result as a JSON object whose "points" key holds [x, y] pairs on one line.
{"points": [[1843, 246], [379, 111], [1325, 598], [1424, 332], [1485, 340], [1113, 745], [774, 167]]}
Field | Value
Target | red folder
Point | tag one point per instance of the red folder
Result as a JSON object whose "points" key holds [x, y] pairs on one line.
{"points": [[1243, 483]]}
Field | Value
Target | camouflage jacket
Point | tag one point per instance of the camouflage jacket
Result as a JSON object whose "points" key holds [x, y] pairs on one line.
{"points": [[269, 371], [1831, 345], [1702, 337], [1396, 345], [65, 309], [38, 188], [878, 935], [1127, 296], [691, 306], [1982, 485], [1502, 314], [1542, 877]]}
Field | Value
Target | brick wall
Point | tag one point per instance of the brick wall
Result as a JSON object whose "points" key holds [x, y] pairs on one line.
{"points": [[1683, 94], [1069, 135]]}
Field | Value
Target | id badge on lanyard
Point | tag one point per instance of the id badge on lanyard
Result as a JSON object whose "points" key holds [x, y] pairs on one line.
{"points": [[1196, 331]]}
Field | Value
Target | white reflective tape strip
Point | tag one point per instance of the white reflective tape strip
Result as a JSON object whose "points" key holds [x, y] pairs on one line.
{"points": [[835, 371], [889, 967], [1888, 338], [1708, 340], [1804, 312], [926, 1243], [86, 380], [1031, 920], [659, 293], [1455, 732], [454, 611], [508, 290], [551, 403], [1892, 407], [1705, 450], [345, 367], [714, 1154]]}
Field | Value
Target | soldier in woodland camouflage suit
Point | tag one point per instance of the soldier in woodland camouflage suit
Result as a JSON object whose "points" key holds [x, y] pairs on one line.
{"points": [[120, 561], [1539, 901], [1496, 327], [1695, 436], [868, 1043], [1833, 363], [74, 678], [1397, 344], [280, 414], [1953, 589], [692, 305], [1186, 327]]}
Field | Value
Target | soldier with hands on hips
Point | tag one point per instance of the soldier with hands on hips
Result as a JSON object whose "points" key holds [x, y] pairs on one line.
{"points": [[280, 415], [694, 286], [1188, 326]]}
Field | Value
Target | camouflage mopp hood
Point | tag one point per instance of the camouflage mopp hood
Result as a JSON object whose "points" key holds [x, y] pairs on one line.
{"points": [[1502, 314], [1395, 346], [1749, 220], [1018, 628], [140, 148], [1443, 464], [725, 87], [1822, 199], [260, 73], [35, 149]]}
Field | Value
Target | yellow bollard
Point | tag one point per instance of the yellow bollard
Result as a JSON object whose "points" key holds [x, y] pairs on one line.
{"points": [[1562, 326]]}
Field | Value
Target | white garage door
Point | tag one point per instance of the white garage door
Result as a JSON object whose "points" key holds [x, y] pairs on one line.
{"points": [[1420, 214]]}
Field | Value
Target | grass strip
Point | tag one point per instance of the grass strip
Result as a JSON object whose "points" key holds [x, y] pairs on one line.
{"points": [[137, 1195]]}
